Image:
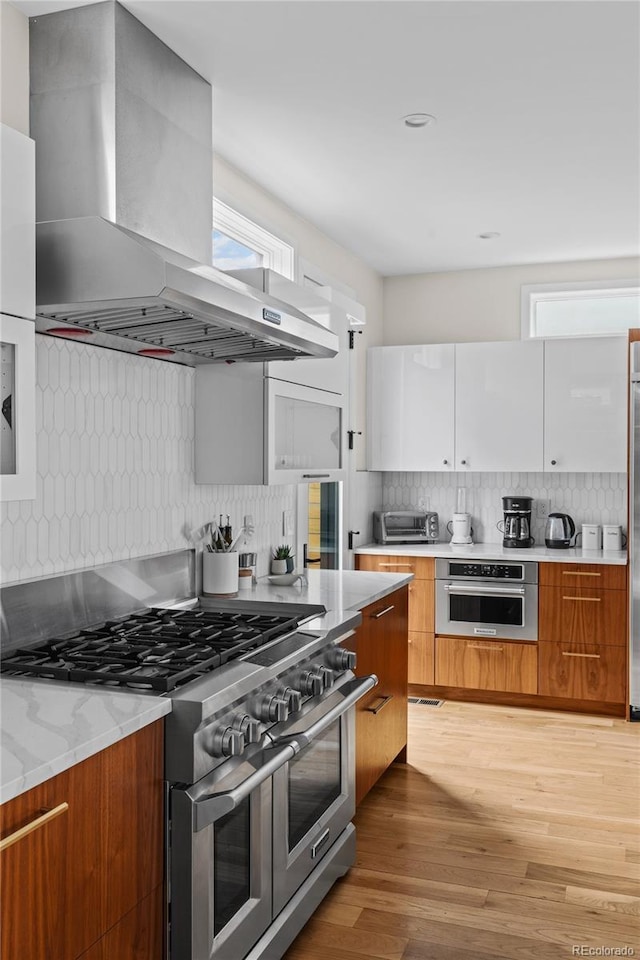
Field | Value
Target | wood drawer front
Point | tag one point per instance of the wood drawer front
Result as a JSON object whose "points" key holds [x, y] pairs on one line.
{"points": [[421, 606], [583, 671], [575, 614], [603, 576], [422, 568], [486, 664], [421, 658]]}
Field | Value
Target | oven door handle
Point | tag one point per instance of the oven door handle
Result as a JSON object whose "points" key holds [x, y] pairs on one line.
{"points": [[471, 590], [349, 694], [216, 804]]}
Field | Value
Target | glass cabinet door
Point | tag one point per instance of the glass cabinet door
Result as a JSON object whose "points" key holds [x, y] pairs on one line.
{"points": [[305, 433]]}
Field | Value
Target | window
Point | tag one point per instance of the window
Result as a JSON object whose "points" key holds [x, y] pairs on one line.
{"points": [[239, 243], [580, 309]]}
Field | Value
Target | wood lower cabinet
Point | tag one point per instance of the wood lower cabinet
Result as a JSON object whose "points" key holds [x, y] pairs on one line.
{"points": [[73, 879], [421, 607], [510, 666], [381, 716], [581, 671], [421, 658]]}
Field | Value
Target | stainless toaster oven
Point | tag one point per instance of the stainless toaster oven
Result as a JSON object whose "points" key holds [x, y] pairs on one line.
{"points": [[405, 526]]}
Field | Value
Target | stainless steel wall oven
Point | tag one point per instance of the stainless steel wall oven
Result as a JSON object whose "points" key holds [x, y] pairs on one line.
{"points": [[493, 600]]}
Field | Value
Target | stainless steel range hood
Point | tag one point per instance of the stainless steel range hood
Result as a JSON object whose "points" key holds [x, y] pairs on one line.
{"points": [[133, 294], [124, 202]]}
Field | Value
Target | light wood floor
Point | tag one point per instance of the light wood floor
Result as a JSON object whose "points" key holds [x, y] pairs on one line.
{"points": [[509, 834]]}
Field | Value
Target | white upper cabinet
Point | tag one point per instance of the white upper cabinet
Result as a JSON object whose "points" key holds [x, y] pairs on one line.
{"points": [[18, 204], [585, 426], [410, 405], [499, 413], [252, 429]]}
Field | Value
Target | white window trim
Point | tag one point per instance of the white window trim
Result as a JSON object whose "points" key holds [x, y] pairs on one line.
{"points": [[532, 294], [277, 254]]}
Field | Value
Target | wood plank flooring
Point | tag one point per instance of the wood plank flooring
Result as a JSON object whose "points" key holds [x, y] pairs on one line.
{"points": [[510, 834]]}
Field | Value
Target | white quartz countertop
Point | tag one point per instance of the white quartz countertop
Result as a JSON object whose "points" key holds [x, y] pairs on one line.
{"points": [[336, 589], [495, 551], [49, 727]]}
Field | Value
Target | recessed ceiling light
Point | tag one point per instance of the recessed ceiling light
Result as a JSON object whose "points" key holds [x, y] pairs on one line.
{"points": [[489, 235], [414, 120], [69, 332]]}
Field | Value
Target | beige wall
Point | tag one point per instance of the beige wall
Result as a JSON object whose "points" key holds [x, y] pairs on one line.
{"points": [[473, 305], [14, 68]]}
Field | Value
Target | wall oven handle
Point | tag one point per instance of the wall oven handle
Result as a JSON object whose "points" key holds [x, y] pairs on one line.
{"points": [[348, 695], [216, 804], [484, 590]]}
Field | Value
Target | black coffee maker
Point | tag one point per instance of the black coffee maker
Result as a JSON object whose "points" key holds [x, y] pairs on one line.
{"points": [[517, 522]]}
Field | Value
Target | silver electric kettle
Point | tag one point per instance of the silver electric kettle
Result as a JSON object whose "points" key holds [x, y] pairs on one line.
{"points": [[559, 530]]}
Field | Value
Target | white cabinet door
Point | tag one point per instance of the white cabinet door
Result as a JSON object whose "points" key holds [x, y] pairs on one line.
{"points": [[585, 390], [499, 411], [18, 204], [410, 404]]}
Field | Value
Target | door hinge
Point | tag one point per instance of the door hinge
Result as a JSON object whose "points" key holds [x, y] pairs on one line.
{"points": [[352, 338], [351, 434], [351, 534]]}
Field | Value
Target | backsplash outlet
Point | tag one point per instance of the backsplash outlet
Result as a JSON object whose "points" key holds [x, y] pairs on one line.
{"points": [[587, 497], [115, 438]]}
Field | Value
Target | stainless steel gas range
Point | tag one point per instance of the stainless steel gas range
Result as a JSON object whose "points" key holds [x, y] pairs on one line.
{"points": [[259, 744]]}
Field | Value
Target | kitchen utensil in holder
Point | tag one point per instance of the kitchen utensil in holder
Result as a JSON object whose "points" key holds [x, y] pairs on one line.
{"points": [[219, 573]]}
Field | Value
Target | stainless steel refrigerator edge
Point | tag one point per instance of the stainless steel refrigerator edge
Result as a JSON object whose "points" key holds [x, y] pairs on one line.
{"points": [[634, 534]]}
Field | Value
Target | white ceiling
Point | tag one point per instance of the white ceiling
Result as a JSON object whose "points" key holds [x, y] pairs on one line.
{"points": [[537, 106]]}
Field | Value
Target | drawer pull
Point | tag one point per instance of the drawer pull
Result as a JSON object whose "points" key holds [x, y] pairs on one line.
{"points": [[486, 646], [585, 656], [585, 599], [40, 821], [376, 616], [579, 573], [383, 702], [409, 566]]}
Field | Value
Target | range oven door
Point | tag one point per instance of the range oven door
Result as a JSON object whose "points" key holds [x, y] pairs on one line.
{"points": [[491, 610], [314, 792], [220, 858]]}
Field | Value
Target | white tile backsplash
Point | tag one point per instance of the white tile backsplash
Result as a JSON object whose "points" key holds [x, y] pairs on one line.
{"points": [[115, 438], [586, 497]]}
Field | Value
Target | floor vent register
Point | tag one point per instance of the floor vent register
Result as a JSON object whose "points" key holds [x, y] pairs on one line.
{"points": [[424, 702]]}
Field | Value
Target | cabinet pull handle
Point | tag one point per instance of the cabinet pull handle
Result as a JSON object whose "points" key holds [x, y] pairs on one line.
{"points": [[376, 616], [585, 599], [315, 476], [40, 821], [586, 656], [383, 702], [579, 573], [409, 566], [486, 646]]}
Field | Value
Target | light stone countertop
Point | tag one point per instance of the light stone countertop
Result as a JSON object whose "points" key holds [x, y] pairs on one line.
{"points": [[48, 726], [495, 551]]}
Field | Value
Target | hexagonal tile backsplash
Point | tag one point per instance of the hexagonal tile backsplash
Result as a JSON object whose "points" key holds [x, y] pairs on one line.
{"points": [[587, 497], [115, 436]]}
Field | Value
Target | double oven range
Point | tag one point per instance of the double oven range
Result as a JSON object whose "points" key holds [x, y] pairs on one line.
{"points": [[259, 756]]}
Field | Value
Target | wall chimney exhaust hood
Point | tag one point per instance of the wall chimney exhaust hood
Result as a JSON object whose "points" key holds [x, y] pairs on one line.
{"points": [[124, 202]]}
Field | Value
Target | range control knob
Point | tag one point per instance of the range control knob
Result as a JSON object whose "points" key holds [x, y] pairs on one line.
{"points": [[341, 659], [327, 677], [248, 727], [273, 709], [226, 742], [292, 697], [311, 683]]}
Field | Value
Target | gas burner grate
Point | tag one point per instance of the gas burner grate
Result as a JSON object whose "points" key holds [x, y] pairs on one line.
{"points": [[157, 650]]}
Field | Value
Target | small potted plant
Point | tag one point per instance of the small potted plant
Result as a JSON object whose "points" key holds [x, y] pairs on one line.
{"points": [[282, 560]]}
